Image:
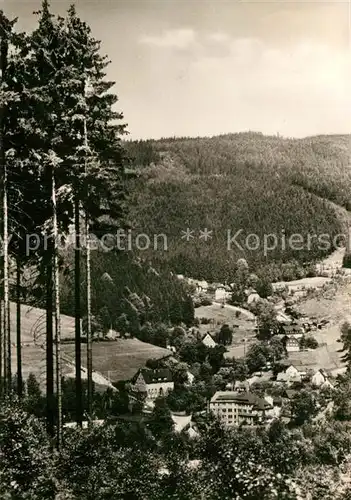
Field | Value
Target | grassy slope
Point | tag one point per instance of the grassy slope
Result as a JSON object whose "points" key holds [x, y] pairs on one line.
{"points": [[122, 358], [33, 352], [33, 324]]}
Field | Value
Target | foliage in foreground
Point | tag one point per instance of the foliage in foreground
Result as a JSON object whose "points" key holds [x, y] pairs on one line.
{"points": [[126, 461]]}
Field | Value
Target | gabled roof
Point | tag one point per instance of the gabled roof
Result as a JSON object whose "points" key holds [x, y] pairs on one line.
{"points": [[154, 376], [323, 372], [292, 340], [290, 393], [207, 334], [288, 329], [291, 365], [288, 362]]}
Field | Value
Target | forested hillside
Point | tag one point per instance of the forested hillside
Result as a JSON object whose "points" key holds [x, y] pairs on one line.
{"points": [[249, 182], [129, 295]]}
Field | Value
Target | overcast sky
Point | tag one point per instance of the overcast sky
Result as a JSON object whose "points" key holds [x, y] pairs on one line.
{"points": [[199, 67]]}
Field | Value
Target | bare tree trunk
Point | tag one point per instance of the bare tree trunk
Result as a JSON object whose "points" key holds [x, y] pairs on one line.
{"points": [[50, 399], [56, 279], [88, 283], [18, 329], [6, 338], [9, 362], [1, 346], [77, 278], [50, 412], [89, 335], [3, 49]]}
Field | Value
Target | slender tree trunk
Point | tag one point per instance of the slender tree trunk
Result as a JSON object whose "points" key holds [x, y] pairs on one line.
{"points": [[18, 329], [49, 345], [1, 347], [6, 338], [56, 279], [9, 363], [3, 49], [88, 283], [78, 352], [89, 335]]}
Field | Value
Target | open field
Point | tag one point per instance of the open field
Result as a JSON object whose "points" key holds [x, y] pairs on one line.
{"points": [[33, 324], [333, 261], [333, 305], [237, 350], [326, 356], [243, 326], [119, 359], [302, 284], [34, 361], [227, 314], [33, 328]]}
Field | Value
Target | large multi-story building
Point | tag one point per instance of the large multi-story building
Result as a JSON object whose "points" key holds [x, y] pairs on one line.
{"points": [[234, 408]]}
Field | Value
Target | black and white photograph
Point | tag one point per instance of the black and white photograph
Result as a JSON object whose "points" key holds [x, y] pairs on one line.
{"points": [[175, 250]]}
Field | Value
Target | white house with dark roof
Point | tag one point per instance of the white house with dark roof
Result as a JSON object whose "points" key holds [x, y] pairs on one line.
{"points": [[208, 340], [153, 383], [292, 344], [321, 379], [291, 374]]}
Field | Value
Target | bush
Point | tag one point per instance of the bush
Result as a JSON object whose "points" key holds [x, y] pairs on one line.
{"points": [[205, 321], [205, 301], [309, 342], [27, 463]]}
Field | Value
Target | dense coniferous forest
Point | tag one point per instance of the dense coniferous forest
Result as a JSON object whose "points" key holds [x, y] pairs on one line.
{"points": [[127, 289], [250, 182]]}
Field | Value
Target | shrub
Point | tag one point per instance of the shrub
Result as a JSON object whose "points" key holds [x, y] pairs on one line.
{"points": [[26, 461], [309, 342]]}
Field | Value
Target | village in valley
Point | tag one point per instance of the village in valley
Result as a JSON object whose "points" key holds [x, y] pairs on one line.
{"points": [[304, 336], [247, 364]]}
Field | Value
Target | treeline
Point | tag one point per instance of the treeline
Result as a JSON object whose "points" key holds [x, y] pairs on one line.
{"points": [[61, 164], [230, 153]]}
